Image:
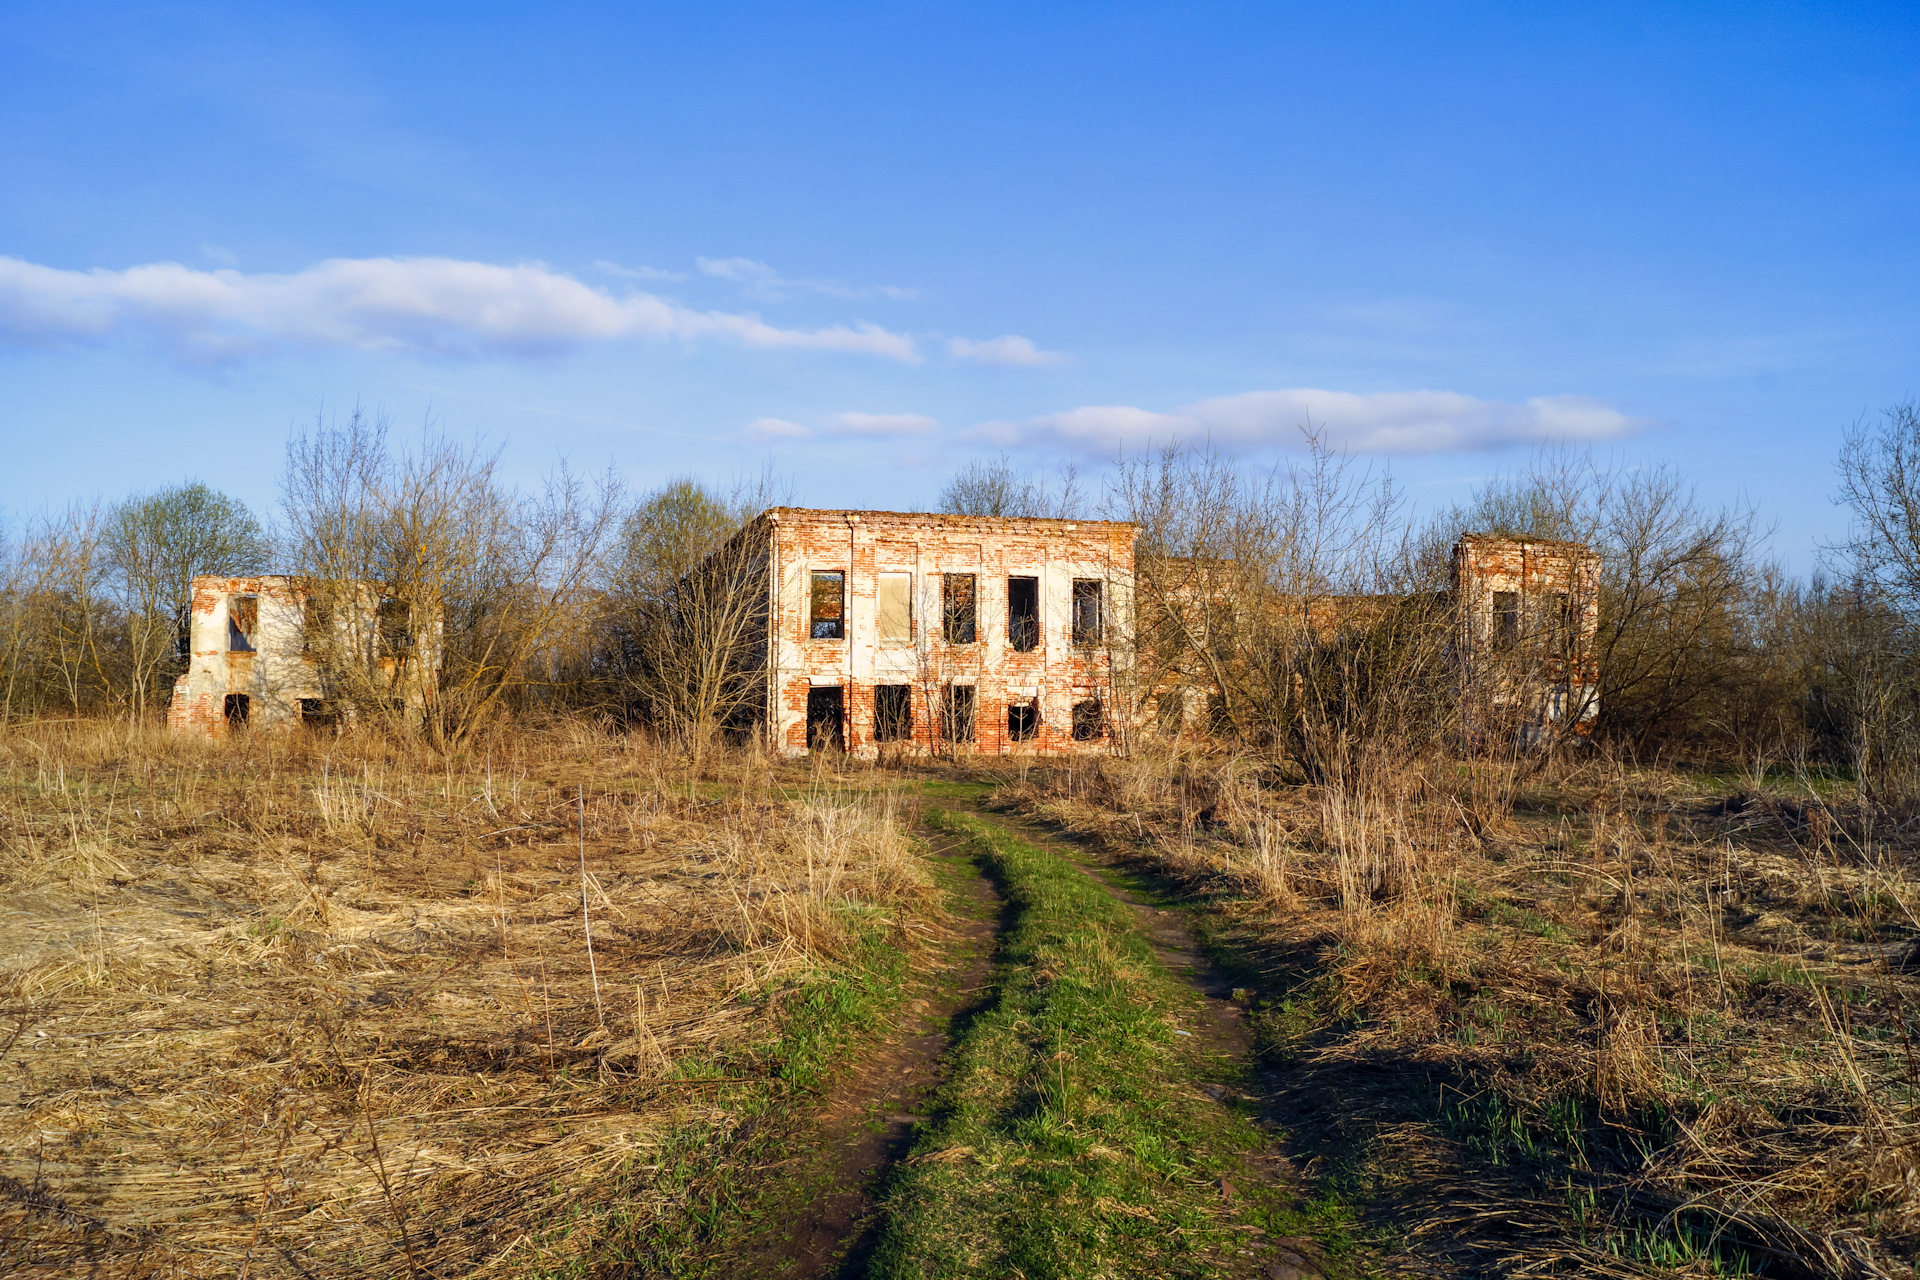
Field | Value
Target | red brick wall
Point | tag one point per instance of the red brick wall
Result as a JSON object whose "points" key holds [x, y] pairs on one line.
{"points": [[929, 546]]}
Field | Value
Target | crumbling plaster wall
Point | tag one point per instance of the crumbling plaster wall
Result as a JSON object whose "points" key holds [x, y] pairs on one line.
{"points": [[275, 675], [1553, 672], [865, 544]]}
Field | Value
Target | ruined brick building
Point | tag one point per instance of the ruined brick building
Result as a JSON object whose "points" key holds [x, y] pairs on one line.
{"points": [[1013, 635], [1528, 612], [943, 632], [253, 660]]}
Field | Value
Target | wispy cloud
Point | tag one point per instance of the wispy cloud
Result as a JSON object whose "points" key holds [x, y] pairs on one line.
{"points": [[436, 307], [637, 273], [880, 424], [1376, 422], [763, 284], [774, 429], [1008, 349]]}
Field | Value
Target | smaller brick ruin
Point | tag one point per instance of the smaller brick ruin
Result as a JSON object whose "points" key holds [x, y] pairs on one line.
{"points": [[1529, 613], [251, 663]]}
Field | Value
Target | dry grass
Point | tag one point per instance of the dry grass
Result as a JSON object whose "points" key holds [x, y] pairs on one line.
{"points": [[312, 1006], [1610, 1021]]}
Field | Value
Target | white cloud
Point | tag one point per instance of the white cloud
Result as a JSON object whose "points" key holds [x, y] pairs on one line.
{"points": [[759, 281], [881, 424], [774, 429], [418, 306], [1008, 349], [1376, 422]]}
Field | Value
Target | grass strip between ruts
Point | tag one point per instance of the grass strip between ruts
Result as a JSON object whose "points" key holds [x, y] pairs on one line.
{"points": [[1072, 1139]]}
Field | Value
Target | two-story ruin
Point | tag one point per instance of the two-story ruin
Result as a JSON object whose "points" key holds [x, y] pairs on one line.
{"points": [[943, 632], [269, 652], [1528, 613]]}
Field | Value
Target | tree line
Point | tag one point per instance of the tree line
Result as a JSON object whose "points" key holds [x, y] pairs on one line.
{"points": [[576, 595]]}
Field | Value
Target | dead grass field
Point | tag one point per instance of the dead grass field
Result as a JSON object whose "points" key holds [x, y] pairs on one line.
{"points": [[1610, 1020], [309, 1006]]}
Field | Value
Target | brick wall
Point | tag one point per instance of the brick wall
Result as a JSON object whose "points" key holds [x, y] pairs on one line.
{"points": [[865, 544], [1529, 614]]}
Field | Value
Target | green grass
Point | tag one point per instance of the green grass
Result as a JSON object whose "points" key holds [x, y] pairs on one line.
{"points": [[1072, 1139]]}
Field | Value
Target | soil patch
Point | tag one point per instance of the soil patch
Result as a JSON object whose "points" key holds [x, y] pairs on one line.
{"points": [[825, 1219]]}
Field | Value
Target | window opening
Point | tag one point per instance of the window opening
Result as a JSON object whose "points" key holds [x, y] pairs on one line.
{"points": [[893, 713], [1023, 614], [896, 607], [1086, 611], [957, 713], [1023, 720], [1219, 721], [826, 718], [1558, 623], [1171, 712], [1089, 725], [243, 616], [237, 709], [316, 713], [1506, 619], [829, 612], [1220, 629], [959, 608], [396, 628], [315, 623]]}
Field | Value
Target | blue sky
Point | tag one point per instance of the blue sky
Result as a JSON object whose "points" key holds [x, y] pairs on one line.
{"points": [[865, 242]]}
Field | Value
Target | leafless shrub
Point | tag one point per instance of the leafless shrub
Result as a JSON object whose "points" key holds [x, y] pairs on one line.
{"points": [[479, 589], [686, 613], [1286, 602]]}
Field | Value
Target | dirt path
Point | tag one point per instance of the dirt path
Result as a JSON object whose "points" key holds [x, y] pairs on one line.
{"points": [[828, 1217], [1223, 1021], [1219, 1025], [866, 1122]]}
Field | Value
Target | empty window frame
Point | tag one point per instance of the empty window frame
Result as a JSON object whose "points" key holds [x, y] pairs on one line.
{"points": [[1506, 619], [243, 617], [1023, 720], [826, 718], [1089, 723], [1220, 629], [1170, 710], [1023, 614], [396, 628], [827, 612], [893, 713], [1086, 610], [957, 708], [1219, 718], [896, 608], [238, 709], [317, 713], [959, 608], [316, 624]]}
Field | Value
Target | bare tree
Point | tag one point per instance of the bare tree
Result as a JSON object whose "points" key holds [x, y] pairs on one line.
{"points": [[156, 544], [434, 591], [1880, 486], [686, 627], [1873, 660], [1676, 582], [62, 637], [1284, 598], [996, 488]]}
